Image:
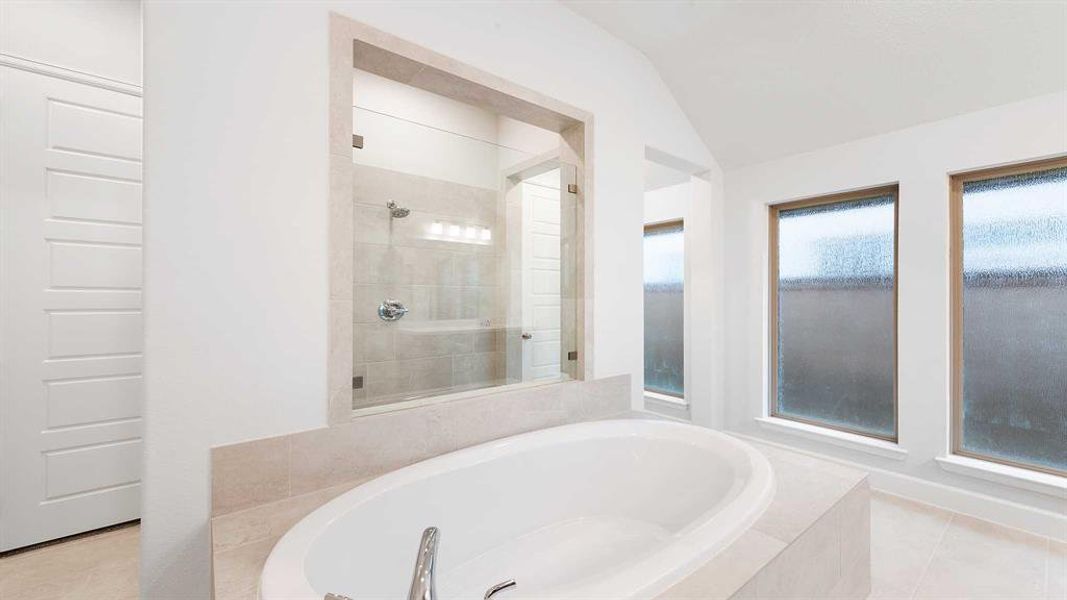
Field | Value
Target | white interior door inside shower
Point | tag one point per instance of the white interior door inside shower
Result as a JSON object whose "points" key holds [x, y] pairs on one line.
{"points": [[541, 248]]}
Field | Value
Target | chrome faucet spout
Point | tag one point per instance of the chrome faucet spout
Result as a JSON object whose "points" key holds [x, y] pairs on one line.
{"points": [[423, 586]]}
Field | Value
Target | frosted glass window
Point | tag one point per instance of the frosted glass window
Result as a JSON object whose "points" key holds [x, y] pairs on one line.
{"points": [[1014, 319], [834, 313], [664, 309]]}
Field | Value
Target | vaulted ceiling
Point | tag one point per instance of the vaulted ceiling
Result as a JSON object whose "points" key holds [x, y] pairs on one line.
{"points": [[761, 80]]}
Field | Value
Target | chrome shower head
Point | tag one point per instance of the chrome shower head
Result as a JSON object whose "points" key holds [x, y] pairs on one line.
{"points": [[395, 211]]}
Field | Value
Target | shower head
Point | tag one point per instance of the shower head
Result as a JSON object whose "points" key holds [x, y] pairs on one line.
{"points": [[395, 211]]}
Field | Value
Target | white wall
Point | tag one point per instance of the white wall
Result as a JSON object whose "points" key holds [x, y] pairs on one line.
{"points": [[668, 203], [95, 37], [920, 159], [236, 215], [698, 204]]}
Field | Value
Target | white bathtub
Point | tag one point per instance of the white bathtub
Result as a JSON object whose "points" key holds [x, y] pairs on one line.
{"points": [[609, 509]]}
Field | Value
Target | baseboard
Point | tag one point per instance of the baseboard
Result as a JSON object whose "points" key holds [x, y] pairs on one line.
{"points": [[980, 506]]}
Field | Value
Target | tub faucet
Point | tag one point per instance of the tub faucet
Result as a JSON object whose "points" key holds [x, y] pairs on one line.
{"points": [[423, 586]]}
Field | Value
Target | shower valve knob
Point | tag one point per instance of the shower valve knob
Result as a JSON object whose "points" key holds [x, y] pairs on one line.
{"points": [[392, 310]]}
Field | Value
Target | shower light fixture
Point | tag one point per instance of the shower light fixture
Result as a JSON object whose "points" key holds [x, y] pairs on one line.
{"points": [[468, 234]]}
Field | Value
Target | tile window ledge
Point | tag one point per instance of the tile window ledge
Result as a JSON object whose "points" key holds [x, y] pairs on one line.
{"points": [[665, 398], [837, 438], [1035, 481]]}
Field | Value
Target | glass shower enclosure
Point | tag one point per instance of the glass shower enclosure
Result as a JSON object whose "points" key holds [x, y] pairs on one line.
{"points": [[464, 249]]}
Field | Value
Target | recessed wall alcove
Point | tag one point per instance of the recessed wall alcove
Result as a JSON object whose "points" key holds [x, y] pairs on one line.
{"points": [[357, 46]]}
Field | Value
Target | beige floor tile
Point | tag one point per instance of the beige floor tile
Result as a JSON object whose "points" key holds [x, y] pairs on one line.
{"points": [[884, 590], [97, 567], [904, 534], [1056, 577], [978, 559]]}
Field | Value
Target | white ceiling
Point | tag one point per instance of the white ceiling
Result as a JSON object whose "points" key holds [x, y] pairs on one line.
{"points": [[761, 80]]}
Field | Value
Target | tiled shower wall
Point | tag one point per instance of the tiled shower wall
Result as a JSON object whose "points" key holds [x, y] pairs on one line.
{"points": [[454, 336]]}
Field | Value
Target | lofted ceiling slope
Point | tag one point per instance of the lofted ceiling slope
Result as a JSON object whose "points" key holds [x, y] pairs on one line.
{"points": [[762, 80]]}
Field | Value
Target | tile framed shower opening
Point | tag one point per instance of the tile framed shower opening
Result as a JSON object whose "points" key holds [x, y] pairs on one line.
{"points": [[436, 215], [472, 238]]}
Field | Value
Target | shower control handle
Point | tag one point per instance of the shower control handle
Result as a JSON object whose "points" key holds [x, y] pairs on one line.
{"points": [[527, 336], [392, 310]]}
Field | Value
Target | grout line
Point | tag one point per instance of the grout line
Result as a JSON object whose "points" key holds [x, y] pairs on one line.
{"points": [[930, 560]]}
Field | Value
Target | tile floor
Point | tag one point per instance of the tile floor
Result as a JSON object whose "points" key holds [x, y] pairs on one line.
{"points": [[98, 567], [917, 551], [920, 551]]}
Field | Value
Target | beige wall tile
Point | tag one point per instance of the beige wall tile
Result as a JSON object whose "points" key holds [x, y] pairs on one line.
{"points": [[374, 342], [854, 583], [407, 377], [340, 406], [387, 64], [340, 340], [254, 473], [978, 559], [746, 592], [473, 369], [599, 397], [476, 269], [854, 520], [269, 521], [410, 344], [466, 423], [854, 513], [729, 572], [311, 460], [249, 473], [371, 226], [366, 447], [368, 297], [810, 565], [489, 340], [404, 265], [340, 228]]}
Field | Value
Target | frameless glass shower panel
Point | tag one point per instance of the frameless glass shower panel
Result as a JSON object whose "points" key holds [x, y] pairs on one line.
{"points": [[439, 280], [1015, 318], [836, 315]]}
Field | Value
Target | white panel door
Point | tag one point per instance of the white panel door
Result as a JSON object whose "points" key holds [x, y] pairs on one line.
{"points": [[70, 308], [541, 277]]}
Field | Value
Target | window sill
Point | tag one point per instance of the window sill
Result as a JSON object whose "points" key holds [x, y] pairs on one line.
{"points": [[667, 406], [837, 438], [1042, 483], [657, 397]]}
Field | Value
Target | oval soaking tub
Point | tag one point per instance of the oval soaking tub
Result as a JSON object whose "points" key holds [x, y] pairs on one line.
{"points": [[607, 509]]}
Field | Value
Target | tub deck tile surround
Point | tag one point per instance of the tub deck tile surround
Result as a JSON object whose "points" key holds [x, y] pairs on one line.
{"points": [[261, 488], [813, 541]]}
